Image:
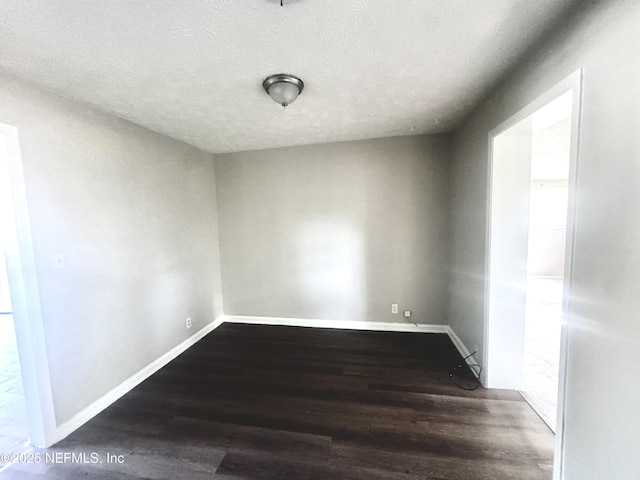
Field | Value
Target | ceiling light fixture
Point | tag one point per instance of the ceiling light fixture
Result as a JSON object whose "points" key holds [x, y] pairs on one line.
{"points": [[283, 88]]}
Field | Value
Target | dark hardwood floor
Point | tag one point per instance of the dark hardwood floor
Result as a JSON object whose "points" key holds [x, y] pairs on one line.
{"points": [[266, 402]]}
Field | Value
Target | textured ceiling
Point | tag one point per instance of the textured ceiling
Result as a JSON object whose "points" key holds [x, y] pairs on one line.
{"points": [[193, 69]]}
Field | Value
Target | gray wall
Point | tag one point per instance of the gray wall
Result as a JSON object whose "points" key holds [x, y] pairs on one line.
{"points": [[134, 214], [337, 231], [603, 420]]}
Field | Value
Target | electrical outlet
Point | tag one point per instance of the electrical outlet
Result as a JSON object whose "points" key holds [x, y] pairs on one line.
{"points": [[394, 308], [407, 314], [188, 322]]}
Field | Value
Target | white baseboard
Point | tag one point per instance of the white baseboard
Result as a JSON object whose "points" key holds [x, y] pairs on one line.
{"points": [[462, 348], [339, 324], [351, 325], [90, 411]]}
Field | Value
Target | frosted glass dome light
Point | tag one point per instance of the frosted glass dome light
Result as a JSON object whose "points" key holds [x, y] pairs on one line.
{"points": [[283, 88]]}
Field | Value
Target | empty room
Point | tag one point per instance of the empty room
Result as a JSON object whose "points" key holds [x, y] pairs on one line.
{"points": [[318, 239]]}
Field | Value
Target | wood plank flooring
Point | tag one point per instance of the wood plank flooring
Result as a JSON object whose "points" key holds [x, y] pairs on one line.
{"points": [[267, 402]]}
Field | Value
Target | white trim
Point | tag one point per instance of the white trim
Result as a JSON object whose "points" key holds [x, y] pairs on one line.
{"points": [[25, 295], [462, 349], [107, 399], [338, 324], [352, 325], [574, 153], [572, 81]]}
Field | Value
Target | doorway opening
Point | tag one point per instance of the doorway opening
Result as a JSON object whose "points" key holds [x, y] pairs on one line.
{"points": [[14, 430], [531, 191], [21, 281], [548, 204]]}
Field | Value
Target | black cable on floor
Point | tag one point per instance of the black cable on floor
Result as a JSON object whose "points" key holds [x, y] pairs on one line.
{"points": [[474, 367]]}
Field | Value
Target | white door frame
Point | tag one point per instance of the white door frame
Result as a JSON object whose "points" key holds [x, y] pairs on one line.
{"points": [[572, 82], [25, 296]]}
